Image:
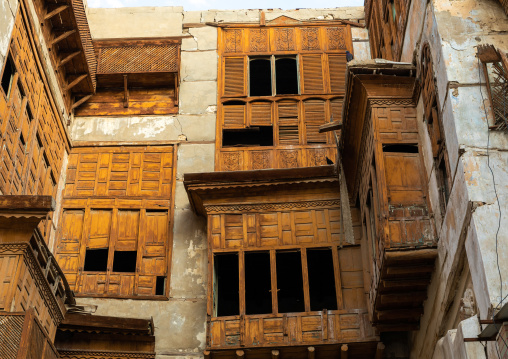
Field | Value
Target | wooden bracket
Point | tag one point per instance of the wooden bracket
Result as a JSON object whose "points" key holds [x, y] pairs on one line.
{"points": [[63, 36], [55, 12], [275, 354], [311, 352], [76, 81], [380, 350], [80, 101], [68, 58], [125, 92], [206, 354], [240, 354], [332, 126]]}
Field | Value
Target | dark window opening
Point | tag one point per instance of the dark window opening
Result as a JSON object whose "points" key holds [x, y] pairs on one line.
{"points": [[260, 77], [443, 184], [252, 136], [400, 148], [96, 260], [227, 294], [22, 139], [321, 279], [258, 296], [125, 261], [8, 75], [39, 141], [290, 282], [159, 285], [286, 75]]}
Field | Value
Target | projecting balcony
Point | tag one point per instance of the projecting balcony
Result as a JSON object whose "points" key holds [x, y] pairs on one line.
{"points": [[403, 269]]}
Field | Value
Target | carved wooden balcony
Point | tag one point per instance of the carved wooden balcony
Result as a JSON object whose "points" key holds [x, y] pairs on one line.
{"points": [[384, 169]]}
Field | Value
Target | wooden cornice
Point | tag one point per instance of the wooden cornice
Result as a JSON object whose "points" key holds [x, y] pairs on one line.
{"points": [[224, 191], [106, 324]]}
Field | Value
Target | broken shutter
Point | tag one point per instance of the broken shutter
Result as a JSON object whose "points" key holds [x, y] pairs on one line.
{"points": [[312, 70], [234, 116], [337, 71], [314, 116], [234, 76], [288, 123]]}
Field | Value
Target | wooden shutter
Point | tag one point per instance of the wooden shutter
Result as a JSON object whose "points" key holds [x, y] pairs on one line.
{"points": [[336, 108], [234, 76], [156, 236], [233, 116], [403, 178], [288, 123], [100, 224], [261, 114], [337, 71], [315, 116], [128, 231], [69, 243], [312, 70]]}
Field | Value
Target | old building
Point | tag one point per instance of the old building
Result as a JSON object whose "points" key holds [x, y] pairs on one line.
{"points": [[312, 183]]}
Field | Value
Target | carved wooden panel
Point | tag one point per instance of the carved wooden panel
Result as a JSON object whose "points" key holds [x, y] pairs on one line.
{"points": [[397, 124], [336, 37], [292, 227], [284, 39], [258, 40], [310, 38], [233, 40], [120, 171], [340, 326]]}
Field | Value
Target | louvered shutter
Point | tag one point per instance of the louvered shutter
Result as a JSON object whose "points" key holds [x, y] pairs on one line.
{"points": [[234, 116], [312, 70], [337, 70], [336, 108], [234, 76], [288, 123], [315, 116], [261, 114]]}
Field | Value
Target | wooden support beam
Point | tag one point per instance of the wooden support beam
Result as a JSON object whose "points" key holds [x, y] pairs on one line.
{"points": [[76, 81], [240, 354], [125, 92], [55, 12], [63, 36], [380, 350], [82, 100], [332, 126], [344, 351], [275, 354], [206, 354], [68, 58], [311, 353]]}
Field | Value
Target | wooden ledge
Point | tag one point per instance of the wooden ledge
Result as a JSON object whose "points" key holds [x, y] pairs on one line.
{"points": [[107, 324], [27, 203]]}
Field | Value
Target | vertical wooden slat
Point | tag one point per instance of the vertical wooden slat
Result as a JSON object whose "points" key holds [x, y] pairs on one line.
{"points": [[234, 76]]}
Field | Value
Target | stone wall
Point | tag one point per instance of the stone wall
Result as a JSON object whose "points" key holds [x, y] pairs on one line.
{"points": [[453, 30], [7, 16]]}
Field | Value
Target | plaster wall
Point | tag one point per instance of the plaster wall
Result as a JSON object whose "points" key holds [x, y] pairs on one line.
{"points": [[469, 229], [7, 16]]}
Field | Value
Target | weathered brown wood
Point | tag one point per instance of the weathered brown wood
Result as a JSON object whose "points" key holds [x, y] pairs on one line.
{"points": [[81, 101], [27, 202], [97, 322], [240, 354], [206, 354], [275, 354], [61, 37], [55, 12], [332, 126], [126, 92], [311, 352], [76, 81], [68, 57], [344, 351], [380, 350]]}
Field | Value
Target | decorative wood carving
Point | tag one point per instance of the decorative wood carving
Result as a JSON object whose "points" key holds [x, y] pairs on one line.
{"points": [[284, 39], [233, 40], [258, 40], [289, 158], [336, 38], [231, 161], [310, 38]]}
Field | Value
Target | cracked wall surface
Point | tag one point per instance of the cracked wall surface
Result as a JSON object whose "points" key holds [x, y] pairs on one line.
{"points": [[453, 30], [180, 321]]}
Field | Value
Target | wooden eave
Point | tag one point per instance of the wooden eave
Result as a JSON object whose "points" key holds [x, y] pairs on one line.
{"points": [[281, 23], [106, 324], [237, 186], [368, 81]]}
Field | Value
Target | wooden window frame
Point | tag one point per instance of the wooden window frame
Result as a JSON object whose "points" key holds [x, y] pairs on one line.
{"points": [[273, 58], [335, 249]]}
